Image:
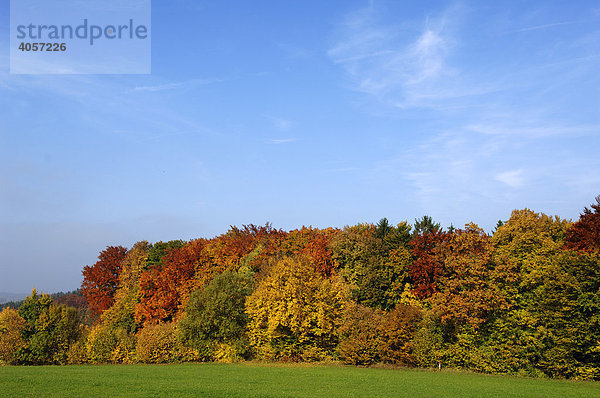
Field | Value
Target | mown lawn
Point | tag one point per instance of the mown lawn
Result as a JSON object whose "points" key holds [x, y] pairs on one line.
{"points": [[259, 380]]}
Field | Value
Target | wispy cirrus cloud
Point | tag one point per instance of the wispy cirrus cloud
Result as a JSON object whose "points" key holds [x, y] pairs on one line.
{"points": [[282, 140], [159, 87], [174, 85], [540, 129], [540, 27], [512, 178], [342, 170], [402, 67]]}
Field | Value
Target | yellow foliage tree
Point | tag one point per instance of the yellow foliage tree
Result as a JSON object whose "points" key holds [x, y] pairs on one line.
{"points": [[110, 345], [157, 343], [522, 246], [11, 340], [121, 314], [295, 312], [360, 335]]}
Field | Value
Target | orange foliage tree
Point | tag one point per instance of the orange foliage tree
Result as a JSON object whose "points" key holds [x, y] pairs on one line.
{"points": [[159, 285], [467, 292], [360, 335], [313, 243], [397, 333]]}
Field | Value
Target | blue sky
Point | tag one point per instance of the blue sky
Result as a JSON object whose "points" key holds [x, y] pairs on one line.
{"points": [[315, 113]]}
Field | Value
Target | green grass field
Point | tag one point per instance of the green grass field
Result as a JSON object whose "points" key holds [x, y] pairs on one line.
{"points": [[258, 380]]}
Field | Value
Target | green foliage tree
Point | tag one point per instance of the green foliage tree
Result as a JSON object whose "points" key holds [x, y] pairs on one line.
{"points": [[566, 314], [428, 342], [498, 225], [375, 268], [31, 309], [55, 331], [398, 236], [77, 353], [523, 249], [383, 228], [424, 225], [49, 330], [521, 246], [158, 250], [216, 314]]}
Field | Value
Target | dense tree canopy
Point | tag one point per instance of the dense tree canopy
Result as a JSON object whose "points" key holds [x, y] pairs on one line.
{"points": [[523, 300]]}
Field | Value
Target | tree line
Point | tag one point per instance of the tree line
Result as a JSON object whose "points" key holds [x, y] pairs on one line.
{"points": [[522, 300]]}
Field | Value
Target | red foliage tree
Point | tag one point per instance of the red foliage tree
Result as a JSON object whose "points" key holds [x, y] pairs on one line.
{"points": [[100, 280], [584, 235], [427, 268], [314, 243]]}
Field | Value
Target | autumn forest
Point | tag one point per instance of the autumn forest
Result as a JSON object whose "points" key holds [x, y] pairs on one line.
{"points": [[524, 299]]}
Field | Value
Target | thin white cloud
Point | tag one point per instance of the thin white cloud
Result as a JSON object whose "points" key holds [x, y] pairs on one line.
{"points": [[174, 85], [342, 170], [540, 27], [160, 87], [282, 140], [512, 178], [538, 131]]}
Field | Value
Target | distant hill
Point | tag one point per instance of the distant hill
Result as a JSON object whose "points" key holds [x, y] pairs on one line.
{"points": [[73, 299], [6, 297]]}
